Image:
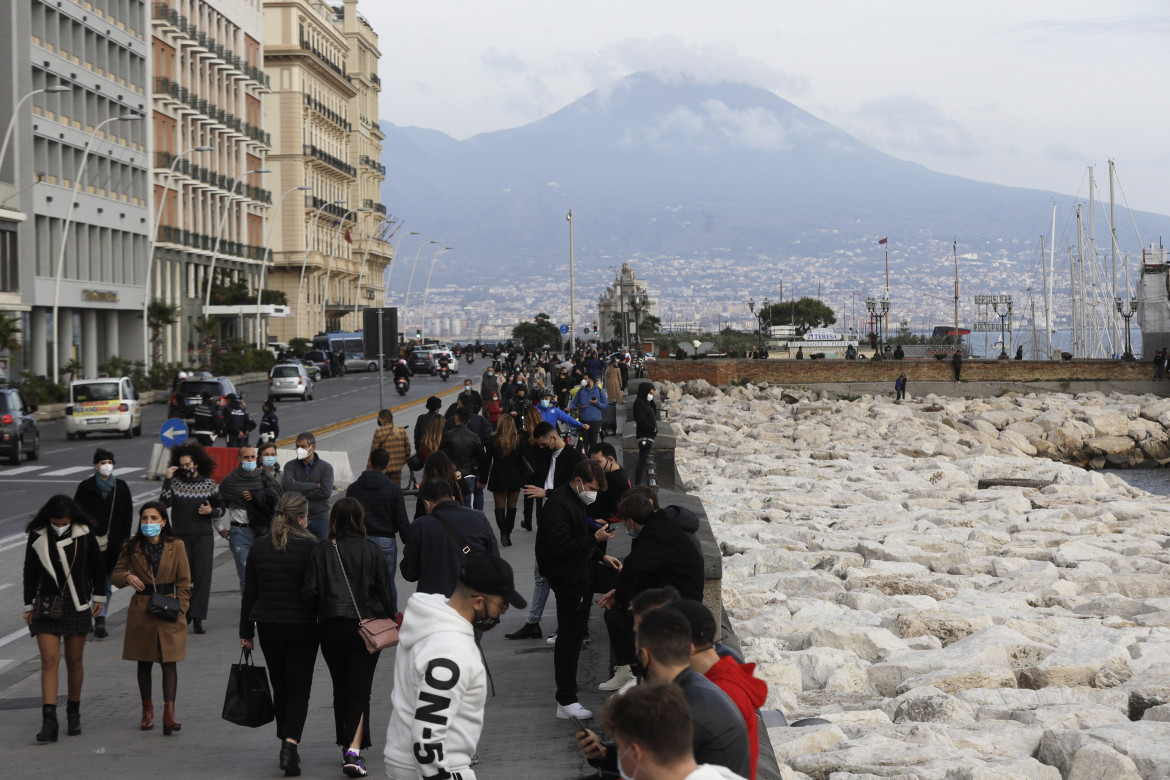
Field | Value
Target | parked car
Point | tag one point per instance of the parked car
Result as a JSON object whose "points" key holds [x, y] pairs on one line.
{"points": [[103, 405], [19, 435], [320, 360], [189, 392], [422, 361], [285, 379], [314, 371], [356, 361]]}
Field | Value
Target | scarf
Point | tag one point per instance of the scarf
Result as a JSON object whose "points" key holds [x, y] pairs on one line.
{"points": [[105, 486]]}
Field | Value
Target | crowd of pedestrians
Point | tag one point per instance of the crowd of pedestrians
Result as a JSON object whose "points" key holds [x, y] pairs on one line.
{"points": [[313, 568]]}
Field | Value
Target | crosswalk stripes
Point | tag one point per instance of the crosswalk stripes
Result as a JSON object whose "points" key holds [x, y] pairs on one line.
{"points": [[20, 470], [38, 472], [66, 472]]}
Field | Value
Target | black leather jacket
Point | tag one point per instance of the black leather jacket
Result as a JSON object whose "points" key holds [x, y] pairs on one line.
{"points": [[325, 586]]}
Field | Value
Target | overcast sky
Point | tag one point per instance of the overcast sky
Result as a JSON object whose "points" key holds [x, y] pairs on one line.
{"points": [[1005, 91]]}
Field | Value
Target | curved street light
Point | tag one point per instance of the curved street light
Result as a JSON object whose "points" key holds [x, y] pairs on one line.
{"points": [[387, 220], [409, 284], [305, 260], [268, 255], [423, 321], [65, 233], [394, 257], [329, 269], [219, 234], [146, 298], [16, 113]]}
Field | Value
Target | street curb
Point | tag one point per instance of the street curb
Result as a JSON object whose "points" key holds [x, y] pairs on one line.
{"points": [[366, 417]]}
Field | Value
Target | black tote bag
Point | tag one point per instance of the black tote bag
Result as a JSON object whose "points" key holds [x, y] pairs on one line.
{"points": [[248, 701]]}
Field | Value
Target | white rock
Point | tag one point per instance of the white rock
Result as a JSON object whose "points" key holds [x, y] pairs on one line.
{"points": [[1096, 761], [868, 643], [788, 742]]}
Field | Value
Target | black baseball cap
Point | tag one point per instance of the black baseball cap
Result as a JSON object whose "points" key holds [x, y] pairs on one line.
{"points": [[491, 575], [702, 622]]}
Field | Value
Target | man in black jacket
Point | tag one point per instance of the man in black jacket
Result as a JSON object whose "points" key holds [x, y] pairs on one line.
{"points": [[664, 650], [206, 423], [466, 451], [236, 422], [661, 554], [477, 423], [107, 501], [439, 542], [249, 494], [434, 404], [385, 508], [568, 556], [471, 397]]}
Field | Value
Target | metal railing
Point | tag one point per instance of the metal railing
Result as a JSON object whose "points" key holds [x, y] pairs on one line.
{"points": [[370, 162], [340, 71], [213, 112], [161, 12], [211, 178], [334, 162], [328, 113], [206, 243]]}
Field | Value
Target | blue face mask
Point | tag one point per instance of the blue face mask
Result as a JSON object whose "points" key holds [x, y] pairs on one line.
{"points": [[150, 530], [546, 403], [269, 461], [248, 465]]}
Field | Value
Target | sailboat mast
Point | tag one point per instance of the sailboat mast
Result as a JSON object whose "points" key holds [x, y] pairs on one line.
{"points": [[1052, 272], [1079, 282], [1047, 328], [955, 250], [1113, 251]]}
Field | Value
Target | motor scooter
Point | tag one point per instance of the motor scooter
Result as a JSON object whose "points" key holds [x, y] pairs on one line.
{"points": [[402, 384]]}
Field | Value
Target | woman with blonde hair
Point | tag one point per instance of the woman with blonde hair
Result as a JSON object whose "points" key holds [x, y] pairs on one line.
{"points": [[273, 579], [432, 438], [506, 475]]}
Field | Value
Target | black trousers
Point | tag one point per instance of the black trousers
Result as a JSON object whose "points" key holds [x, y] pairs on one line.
{"points": [[290, 651], [352, 668], [572, 622], [619, 623], [200, 551], [643, 454]]}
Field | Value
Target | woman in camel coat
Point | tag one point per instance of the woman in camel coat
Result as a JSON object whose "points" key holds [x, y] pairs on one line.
{"points": [[613, 382], [154, 557]]}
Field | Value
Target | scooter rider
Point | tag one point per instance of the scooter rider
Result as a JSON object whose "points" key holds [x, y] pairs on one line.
{"points": [[402, 371]]}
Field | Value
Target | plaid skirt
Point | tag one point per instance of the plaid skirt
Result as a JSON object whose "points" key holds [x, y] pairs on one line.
{"points": [[71, 622]]}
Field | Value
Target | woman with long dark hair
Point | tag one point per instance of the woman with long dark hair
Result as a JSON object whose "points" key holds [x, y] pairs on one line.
{"points": [[432, 437], [193, 498], [154, 561], [438, 466], [506, 475], [347, 581], [272, 603], [64, 588]]}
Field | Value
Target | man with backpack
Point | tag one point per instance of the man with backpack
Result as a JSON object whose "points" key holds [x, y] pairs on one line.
{"points": [[440, 542]]}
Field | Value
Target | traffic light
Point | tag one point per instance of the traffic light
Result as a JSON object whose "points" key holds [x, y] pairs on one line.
{"points": [[595, 327], [418, 334]]}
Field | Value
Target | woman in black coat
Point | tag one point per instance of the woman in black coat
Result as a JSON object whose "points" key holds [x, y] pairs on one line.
{"points": [[106, 500], [645, 426], [64, 587], [273, 579], [348, 581], [506, 474]]}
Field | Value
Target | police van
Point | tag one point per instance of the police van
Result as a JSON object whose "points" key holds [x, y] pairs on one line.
{"points": [[103, 405]]}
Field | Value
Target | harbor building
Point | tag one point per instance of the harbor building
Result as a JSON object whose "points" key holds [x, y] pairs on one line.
{"points": [[623, 306]]}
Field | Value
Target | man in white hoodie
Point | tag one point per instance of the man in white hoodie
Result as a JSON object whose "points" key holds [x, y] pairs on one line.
{"points": [[440, 683]]}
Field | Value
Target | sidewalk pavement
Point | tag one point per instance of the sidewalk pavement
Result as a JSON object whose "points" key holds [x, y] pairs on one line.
{"points": [[521, 738]]}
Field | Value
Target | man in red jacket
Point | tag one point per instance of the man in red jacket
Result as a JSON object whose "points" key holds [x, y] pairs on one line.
{"points": [[737, 680]]}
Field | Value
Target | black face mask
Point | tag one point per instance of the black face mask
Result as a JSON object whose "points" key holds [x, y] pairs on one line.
{"points": [[486, 622], [638, 669]]}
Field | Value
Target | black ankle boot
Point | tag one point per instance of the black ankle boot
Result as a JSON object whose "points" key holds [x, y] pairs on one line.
{"points": [[73, 718], [48, 732], [510, 520], [290, 760]]}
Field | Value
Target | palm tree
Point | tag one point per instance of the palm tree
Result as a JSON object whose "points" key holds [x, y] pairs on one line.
{"points": [[9, 332], [159, 314], [208, 330]]}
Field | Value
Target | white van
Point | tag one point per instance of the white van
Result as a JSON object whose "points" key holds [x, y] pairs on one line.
{"points": [[103, 405]]}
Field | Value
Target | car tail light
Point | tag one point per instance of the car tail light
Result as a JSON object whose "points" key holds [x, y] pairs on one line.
{"points": [[124, 407], [300, 382], [223, 400], [174, 400], [7, 419]]}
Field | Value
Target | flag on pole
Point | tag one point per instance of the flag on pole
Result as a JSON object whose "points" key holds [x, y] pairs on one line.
{"points": [[348, 240], [884, 240]]}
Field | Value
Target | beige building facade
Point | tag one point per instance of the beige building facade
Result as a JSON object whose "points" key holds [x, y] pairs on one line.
{"points": [[329, 251]]}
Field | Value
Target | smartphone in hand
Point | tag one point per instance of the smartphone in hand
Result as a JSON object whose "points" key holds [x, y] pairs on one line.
{"points": [[577, 724]]}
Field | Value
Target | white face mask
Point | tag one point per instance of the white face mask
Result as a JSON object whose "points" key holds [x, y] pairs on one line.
{"points": [[302, 453], [587, 496], [106, 469], [584, 383], [60, 530], [649, 396]]}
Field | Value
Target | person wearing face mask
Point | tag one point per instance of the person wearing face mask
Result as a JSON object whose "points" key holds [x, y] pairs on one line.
{"points": [[617, 483], [269, 423], [470, 398], [250, 494], [268, 462], [651, 726], [588, 404], [312, 477], [568, 556], [562, 384], [194, 501], [661, 555], [718, 733], [434, 404], [433, 554], [645, 426], [440, 682], [154, 561], [553, 414], [64, 588], [106, 500], [271, 604], [489, 383]]}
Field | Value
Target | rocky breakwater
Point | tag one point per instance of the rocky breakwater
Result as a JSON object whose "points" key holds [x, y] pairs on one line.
{"points": [[945, 631]]}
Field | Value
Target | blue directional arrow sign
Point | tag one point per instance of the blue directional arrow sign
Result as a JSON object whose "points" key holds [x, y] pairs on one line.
{"points": [[174, 432], [564, 329]]}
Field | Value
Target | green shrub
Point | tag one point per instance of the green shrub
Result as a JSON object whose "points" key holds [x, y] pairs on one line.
{"points": [[38, 390]]}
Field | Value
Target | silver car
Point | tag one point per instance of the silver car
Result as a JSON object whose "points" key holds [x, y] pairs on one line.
{"points": [[286, 379]]}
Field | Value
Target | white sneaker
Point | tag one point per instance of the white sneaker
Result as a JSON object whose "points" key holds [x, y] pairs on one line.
{"points": [[551, 639], [628, 684], [621, 676], [574, 710]]}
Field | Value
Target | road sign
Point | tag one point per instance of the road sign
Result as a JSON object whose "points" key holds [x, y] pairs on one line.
{"points": [[564, 330], [174, 432]]}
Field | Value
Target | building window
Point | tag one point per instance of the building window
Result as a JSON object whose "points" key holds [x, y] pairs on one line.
{"points": [[9, 262]]}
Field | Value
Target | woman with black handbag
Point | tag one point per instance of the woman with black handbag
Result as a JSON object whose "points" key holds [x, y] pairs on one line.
{"points": [[64, 588], [154, 564], [273, 580], [347, 582]]}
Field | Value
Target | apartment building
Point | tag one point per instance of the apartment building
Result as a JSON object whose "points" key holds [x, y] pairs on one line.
{"points": [[74, 188], [208, 91], [329, 255]]}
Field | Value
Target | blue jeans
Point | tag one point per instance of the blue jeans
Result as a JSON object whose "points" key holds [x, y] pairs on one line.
{"points": [[472, 493], [390, 550], [240, 540], [109, 595], [539, 596], [319, 527]]}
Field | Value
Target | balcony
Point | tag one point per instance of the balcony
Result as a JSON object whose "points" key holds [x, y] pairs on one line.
{"points": [[163, 14], [370, 162], [334, 162], [374, 78], [313, 202], [320, 108], [205, 243], [305, 46], [372, 206]]}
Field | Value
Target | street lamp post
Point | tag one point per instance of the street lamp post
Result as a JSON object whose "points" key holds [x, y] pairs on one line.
{"points": [[146, 297], [65, 233], [637, 302], [305, 260], [1003, 316], [878, 310], [268, 255], [329, 269], [752, 309], [365, 256], [410, 283], [765, 306], [423, 320], [16, 113], [219, 234], [1127, 309]]}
